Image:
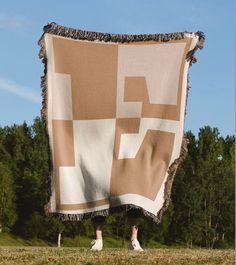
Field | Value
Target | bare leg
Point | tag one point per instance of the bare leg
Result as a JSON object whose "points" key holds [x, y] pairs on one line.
{"points": [[133, 228], [98, 229], [97, 244], [134, 243]]}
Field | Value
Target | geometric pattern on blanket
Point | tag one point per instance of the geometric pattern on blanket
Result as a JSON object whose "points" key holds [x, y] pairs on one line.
{"points": [[114, 114]]}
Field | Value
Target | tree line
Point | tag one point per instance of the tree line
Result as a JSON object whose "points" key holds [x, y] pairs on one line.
{"points": [[201, 212]]}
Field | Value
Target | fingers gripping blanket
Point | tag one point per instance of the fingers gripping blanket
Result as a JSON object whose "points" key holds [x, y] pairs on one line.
{"points": [[114, 108]]}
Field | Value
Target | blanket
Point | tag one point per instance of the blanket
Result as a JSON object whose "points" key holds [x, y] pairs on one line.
{"points": [[114, 109]]}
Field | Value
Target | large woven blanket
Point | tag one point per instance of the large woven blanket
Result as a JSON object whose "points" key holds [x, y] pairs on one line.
{"points": [[114, 109]]}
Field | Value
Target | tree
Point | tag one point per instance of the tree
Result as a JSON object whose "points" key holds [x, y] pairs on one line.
{"points": [[225, 194], [203, 192], [186, 221], [29, 151], [7, 198], [8, 214], [210, 149]]}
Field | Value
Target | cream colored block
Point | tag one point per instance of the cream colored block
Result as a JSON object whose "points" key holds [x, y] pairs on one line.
{"points": [[61, 92], [89, 180], [159, 64]]}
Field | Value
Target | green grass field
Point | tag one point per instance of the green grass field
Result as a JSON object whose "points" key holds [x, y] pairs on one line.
{"points": [[82, 256]]}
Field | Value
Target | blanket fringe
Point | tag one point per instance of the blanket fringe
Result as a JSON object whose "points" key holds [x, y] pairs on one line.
{"points": [[78, 34], [44, 94], [53, 28]]}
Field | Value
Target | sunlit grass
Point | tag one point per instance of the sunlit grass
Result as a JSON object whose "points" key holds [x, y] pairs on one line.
{"points": [[82, 256]]}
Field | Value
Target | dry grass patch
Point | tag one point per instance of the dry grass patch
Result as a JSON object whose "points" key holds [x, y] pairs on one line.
{"points": [[82, 256]]}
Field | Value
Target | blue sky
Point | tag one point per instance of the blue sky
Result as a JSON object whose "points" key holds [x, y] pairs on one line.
{"points": [[212, 78]]}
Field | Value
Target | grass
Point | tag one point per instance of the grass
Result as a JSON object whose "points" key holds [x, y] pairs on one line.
{"points": [[7, 239], [15, 250], [12, 240], [112, 256]]}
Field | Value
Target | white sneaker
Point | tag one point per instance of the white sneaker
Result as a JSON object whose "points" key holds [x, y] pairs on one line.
{"points": [[96, 245], [134, 245]]}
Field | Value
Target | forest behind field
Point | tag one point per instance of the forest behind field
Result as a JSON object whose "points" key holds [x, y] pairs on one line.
{"points": [[201, 213]]}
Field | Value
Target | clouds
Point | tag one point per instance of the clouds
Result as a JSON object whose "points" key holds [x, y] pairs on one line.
{"points": [[19, 91]]}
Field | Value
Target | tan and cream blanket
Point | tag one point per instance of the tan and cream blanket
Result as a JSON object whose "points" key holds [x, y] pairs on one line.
{"points": [[114, 109]]}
